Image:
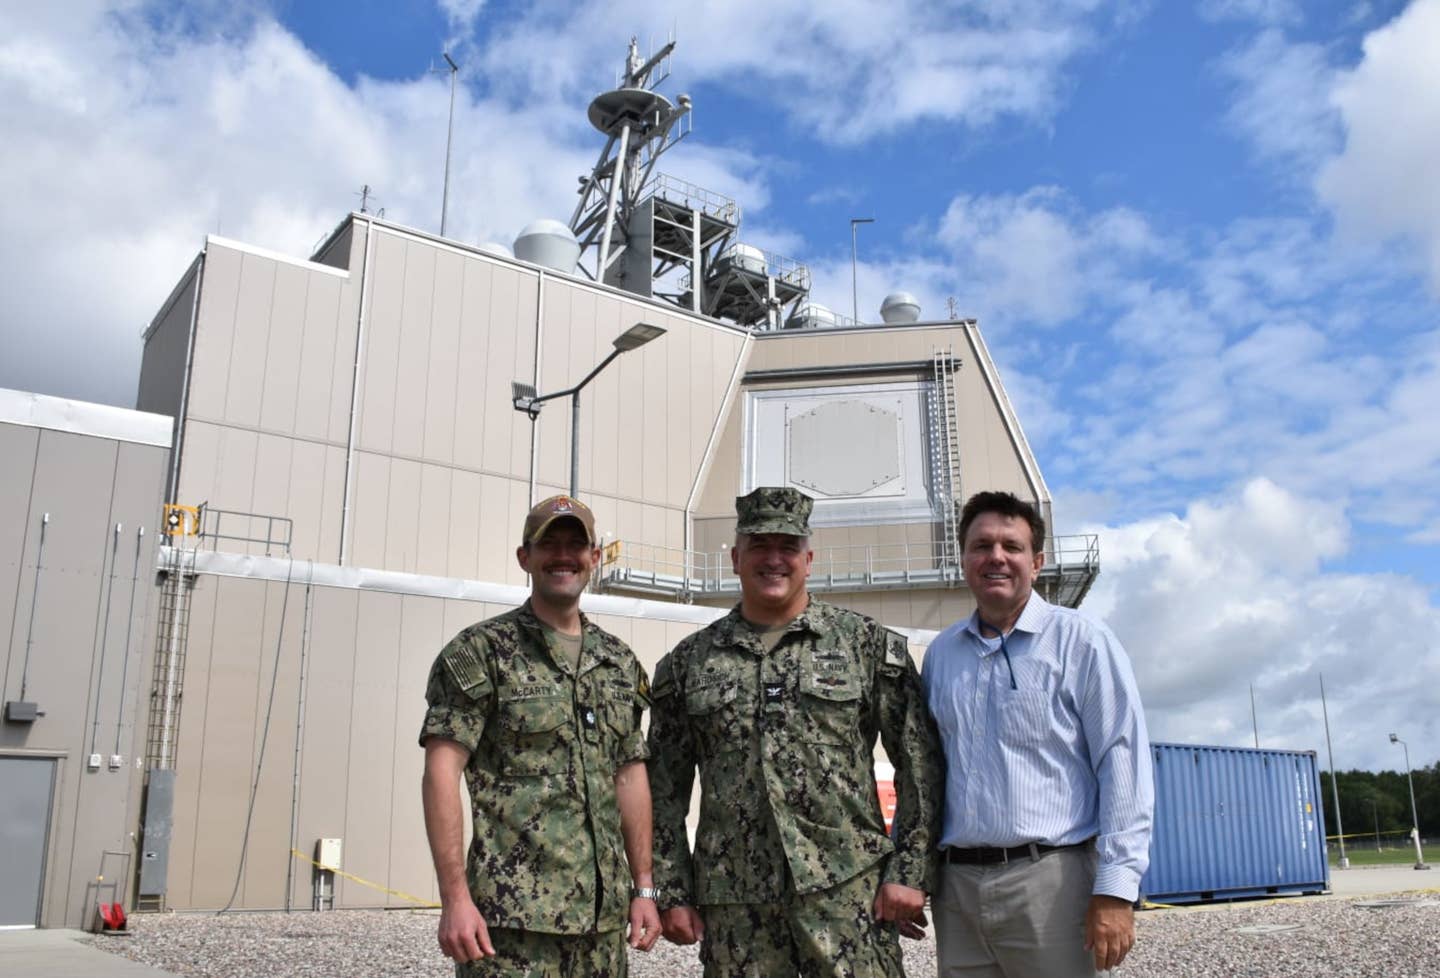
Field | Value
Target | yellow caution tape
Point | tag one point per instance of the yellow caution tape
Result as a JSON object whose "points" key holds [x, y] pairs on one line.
{"points": [[364, 882]]}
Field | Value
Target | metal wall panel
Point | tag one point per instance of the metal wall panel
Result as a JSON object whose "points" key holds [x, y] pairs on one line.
{"points": [[432, 531], [1235, 822], [214, 332], [162, 362], [280, 382], [440, 389], [386, 274], [325, 751], [19, 445], [422, 634], [412, 360], [372, 748], [254, 303], [470, 405], [402, 516], [81, 673], [323, 390]]}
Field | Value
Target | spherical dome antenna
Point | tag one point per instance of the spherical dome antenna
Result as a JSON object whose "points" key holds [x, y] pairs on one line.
{"points": [[900, 307], [549, 244], [811, 315]]}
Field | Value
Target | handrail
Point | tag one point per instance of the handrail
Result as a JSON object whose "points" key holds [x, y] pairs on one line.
{"points": [[672, 570]]}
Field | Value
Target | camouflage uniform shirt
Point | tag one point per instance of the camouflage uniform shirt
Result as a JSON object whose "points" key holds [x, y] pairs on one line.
{"points": [[545, 743], [784, 742]]}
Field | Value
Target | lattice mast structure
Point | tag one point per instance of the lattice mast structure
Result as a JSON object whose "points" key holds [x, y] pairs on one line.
{"points": [[639, 124]]}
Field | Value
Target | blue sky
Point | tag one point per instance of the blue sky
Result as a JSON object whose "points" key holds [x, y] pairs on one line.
{"points": [[1202, 239]]}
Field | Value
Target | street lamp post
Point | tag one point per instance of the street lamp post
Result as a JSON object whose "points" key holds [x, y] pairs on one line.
{"points": [[525, 398], [1414, 816], [854, 274]]}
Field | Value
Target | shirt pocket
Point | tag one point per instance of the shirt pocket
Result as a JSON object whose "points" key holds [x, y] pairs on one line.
{"points": [[713, 715], [1025, 717], [535, 736], [829, 706]]}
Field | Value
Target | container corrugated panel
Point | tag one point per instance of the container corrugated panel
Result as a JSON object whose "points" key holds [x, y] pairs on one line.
{"points": [[1235, 822]]}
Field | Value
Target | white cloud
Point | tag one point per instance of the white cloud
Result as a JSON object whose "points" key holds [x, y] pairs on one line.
{"points": [[1383, 183], [1236, 592], [1280, 102], [133, 135], [1034, 257], [851, 70], [1259, 11]]}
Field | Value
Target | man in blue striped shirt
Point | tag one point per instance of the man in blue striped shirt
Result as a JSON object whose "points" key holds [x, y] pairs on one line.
{"points": [[1049, 793]]}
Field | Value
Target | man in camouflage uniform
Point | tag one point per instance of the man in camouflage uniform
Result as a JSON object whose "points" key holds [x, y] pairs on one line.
{"points": [[779, 704], [540, 710]]}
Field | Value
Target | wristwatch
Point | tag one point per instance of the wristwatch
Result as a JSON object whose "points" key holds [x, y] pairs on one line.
{"points": [[644, 893]]}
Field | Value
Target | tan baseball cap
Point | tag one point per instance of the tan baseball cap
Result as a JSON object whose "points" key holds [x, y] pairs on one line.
{"points": [[547, 511]]}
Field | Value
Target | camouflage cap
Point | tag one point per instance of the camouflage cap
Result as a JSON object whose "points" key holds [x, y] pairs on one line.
{"points": [[772, 509], [547, 511]]}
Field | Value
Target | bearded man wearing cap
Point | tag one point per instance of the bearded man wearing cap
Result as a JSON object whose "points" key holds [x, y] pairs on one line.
{"points": [[779, 705], [540, 709]]}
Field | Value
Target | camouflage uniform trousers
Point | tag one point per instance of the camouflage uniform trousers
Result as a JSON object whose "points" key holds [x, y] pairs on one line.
{"points": [[526, 954], [828, 934]]}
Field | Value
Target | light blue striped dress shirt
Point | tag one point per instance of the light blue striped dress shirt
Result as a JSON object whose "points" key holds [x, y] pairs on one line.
{"points": [[1061, 757]]}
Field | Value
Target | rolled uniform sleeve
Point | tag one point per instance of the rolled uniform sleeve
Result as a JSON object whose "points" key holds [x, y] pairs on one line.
{"points": [[459, 694], [913, 745], [671, 770]]}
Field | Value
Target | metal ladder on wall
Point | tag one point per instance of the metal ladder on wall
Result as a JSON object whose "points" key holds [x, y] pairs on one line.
{"points": [[168, 678], [945, 457]]}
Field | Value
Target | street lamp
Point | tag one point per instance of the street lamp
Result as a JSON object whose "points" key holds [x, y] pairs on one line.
{"points": [[854, 275], [524, 397], [1414, 818]]}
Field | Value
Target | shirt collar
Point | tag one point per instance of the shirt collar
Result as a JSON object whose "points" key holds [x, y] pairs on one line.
{"points": [[1032, 618], [734, 630]]}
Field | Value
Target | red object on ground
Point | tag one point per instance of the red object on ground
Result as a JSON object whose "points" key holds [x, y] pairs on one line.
{"points": [[113, 916]]}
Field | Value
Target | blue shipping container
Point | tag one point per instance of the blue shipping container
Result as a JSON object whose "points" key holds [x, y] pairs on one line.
{"points": [[1235, 822]]}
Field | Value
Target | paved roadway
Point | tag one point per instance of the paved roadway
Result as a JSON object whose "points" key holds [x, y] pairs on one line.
{"points": [[58, 953]]}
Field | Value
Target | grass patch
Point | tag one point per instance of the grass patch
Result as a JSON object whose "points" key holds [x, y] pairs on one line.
{"points": [[1389, 856]]}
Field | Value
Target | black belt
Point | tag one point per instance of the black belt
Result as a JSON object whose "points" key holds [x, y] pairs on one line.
{"points": [[987, 855]]}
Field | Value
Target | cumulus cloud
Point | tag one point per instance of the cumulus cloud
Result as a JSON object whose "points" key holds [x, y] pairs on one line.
{"points": [[1382, 184], [1237, 592], [852, 70], [134, 134], [1035, 256]]}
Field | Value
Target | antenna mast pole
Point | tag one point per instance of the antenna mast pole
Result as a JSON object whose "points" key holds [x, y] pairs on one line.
{"points": [[449, 141]]}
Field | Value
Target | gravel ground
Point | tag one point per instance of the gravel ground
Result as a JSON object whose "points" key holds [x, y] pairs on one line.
{"points": [[1281, 938]]}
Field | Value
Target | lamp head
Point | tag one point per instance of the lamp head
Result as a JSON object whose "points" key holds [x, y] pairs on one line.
{"points": [[637, 335], [1394, 739]]}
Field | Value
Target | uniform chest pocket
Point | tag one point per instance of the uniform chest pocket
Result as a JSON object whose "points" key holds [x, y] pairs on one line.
{"points": [[535, 736], [1025, 717], [830, 705], [713, 715]]}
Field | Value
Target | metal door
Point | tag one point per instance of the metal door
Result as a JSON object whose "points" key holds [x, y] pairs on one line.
{"points": [[26, 787]]}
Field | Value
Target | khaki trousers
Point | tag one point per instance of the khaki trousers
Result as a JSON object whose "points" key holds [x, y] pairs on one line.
{"points": [[1022, 919]]}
